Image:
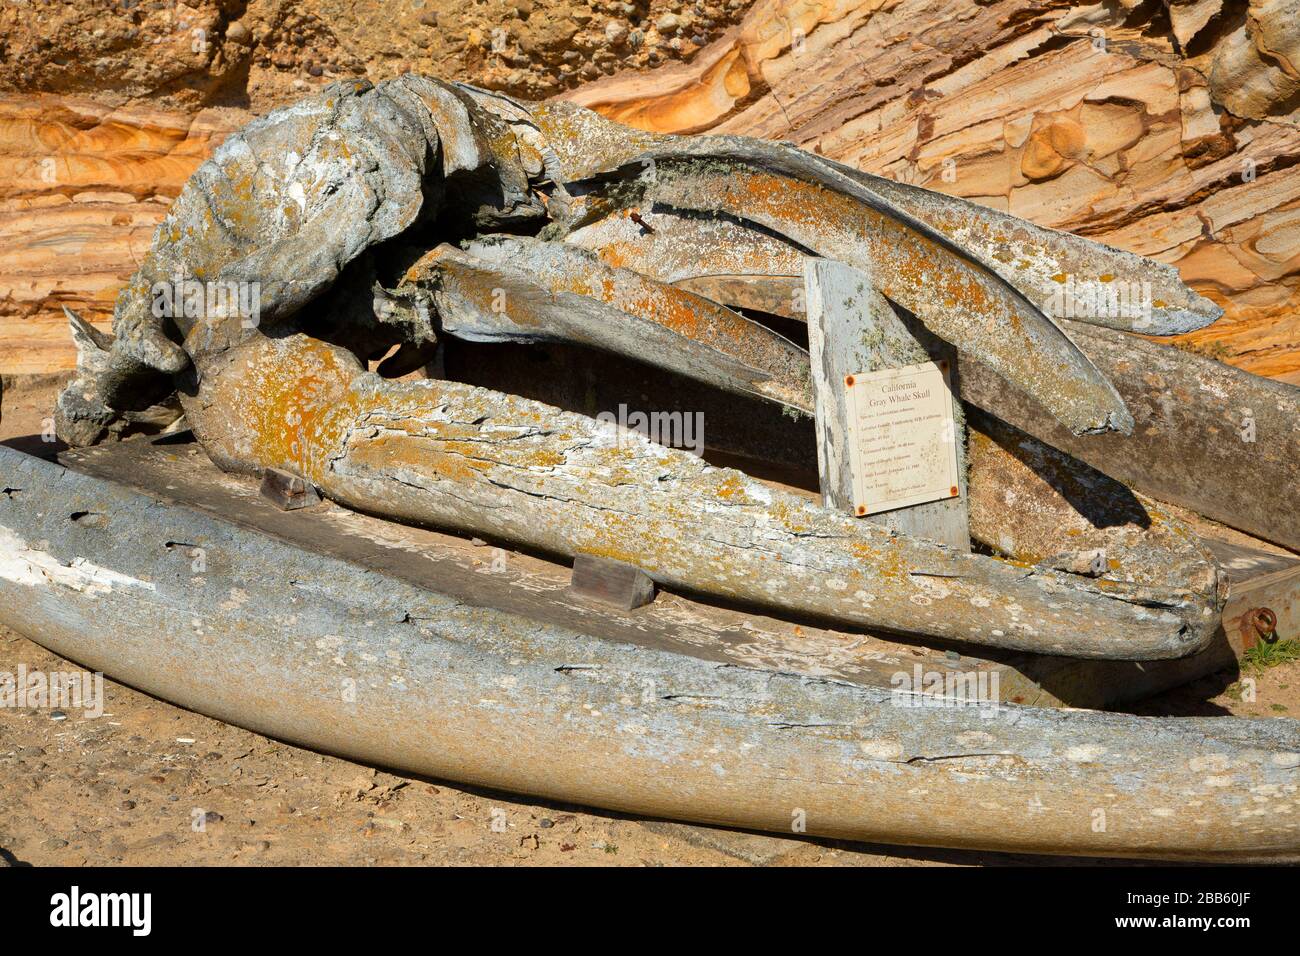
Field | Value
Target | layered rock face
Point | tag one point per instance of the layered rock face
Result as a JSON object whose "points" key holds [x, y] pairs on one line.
{"points": [[1169, 129], [1172, 131], [82, 188]]}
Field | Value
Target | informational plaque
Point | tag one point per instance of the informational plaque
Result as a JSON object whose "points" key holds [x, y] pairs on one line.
{"points": [[901, 437]]}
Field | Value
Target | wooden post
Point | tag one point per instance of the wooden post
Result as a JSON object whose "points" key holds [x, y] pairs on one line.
{"points": [[853, 329]]}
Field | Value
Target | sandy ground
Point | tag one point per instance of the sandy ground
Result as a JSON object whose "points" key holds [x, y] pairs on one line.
{"points": [[150, 783]]}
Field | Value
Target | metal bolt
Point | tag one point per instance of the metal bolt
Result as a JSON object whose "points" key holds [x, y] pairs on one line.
{"points": [[636, 218]]}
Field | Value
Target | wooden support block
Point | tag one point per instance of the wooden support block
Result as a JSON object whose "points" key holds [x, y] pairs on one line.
{"points": [[852, 329], [287, 491], [616, 583]]}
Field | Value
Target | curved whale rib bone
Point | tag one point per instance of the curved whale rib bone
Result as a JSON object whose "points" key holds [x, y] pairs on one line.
{"points": [[479, 461]]}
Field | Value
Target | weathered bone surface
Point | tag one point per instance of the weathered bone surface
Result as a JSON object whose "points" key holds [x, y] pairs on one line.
{"points": [[288, 203], [1209, 437], [960, 299], [522, 290], [1030, 503], [445, 454], [1036, 504], [480, 678], [371, 178]]}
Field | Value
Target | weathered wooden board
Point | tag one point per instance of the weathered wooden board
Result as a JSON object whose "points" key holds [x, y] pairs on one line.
{"points": [[852, 328], [346, 656]]}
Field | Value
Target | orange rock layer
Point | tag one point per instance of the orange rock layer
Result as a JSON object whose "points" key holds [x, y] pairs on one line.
{"points": [[82, 188]]}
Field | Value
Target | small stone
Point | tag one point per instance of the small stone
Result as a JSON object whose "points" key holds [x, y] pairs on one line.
{"points": [[58, 715], [315, 69], [212, 817], [54, 843], [668, 23], [126, 805], [546, 823], [238, 33], [616, 32], [429, 18]]}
